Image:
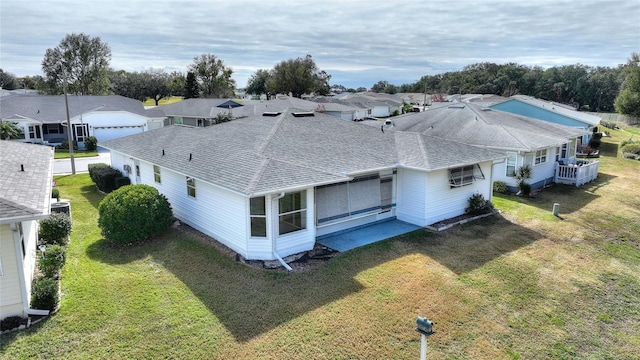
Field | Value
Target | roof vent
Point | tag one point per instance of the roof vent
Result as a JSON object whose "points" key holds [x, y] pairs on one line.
{"points": [[486, 109], [456, 106], [303, 114], [271, 113]]}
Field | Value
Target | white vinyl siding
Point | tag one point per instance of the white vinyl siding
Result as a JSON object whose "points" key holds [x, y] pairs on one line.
{"points": [[10, 297], [425, 198]]}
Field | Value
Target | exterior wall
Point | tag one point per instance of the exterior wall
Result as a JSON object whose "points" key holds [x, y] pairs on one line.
{"points": [[214, 211], [543, 174], [11, 303], [411, 192], [426, 198], [444, 202], [10, 294]]}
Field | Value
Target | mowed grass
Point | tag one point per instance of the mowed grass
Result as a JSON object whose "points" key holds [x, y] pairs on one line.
{"points": [[522, 285], [165, 101], [64, 154]]}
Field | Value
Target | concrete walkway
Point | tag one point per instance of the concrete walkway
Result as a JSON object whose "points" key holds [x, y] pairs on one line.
{"points": [[63, 166], [368, 234]]}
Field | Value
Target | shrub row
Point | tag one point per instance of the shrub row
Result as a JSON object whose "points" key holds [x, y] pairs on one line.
{"points": [[608, 124], [106, 177]]}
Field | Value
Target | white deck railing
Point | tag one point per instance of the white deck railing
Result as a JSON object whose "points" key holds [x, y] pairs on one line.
{"points": [[577, 174]]}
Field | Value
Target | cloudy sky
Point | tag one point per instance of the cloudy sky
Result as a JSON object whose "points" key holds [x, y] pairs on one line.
{"points": [[357, 42]]}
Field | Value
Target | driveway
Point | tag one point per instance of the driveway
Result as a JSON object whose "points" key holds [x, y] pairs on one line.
{"points": [[63, 166]]}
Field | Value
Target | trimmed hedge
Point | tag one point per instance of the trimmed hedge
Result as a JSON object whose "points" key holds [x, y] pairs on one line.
{"points": [[134, 212], [55, 229], [122, 181], [45, 294], [500, 187], [104, 176]]}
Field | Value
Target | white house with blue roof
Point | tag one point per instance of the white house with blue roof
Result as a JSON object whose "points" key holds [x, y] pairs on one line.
{"points": [[268, 186], [549, 111]]}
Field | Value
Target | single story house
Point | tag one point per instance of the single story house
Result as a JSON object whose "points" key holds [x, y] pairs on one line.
{"points": [[200, 112], [268, 185], [25, 198], [551, 112], [526, 141], [43, 118]]}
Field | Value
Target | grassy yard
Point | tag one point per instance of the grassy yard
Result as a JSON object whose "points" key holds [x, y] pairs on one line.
{"points": [[64, 154], [165, 101], [522, 285]]}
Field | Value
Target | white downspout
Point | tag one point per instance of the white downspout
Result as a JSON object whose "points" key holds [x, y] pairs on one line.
{"points": [[21, 276], [274, 233]]}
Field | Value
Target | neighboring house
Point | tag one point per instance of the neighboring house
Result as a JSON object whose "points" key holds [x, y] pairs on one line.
{"points": [[551, 112], [339, 108], [26, 172], [268, 185], [43, 119], [526, 141], [377, 105], [200, 112]]}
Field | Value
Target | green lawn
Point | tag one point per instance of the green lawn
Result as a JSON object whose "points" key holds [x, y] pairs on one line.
{"points": [[523, 285], [64, 154], [165, 101]]}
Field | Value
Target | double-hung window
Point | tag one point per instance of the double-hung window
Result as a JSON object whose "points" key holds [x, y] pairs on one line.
{"points": [[511, 163], [191, 187], [541, 157], [156, 174], [258, 216], [292, 212]]}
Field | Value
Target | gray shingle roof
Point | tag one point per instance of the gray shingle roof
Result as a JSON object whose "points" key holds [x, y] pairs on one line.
{"points": [[474, 125], [261, 154], [51, 109], [25, 194]]}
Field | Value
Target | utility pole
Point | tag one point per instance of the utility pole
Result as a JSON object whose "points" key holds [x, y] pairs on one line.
{"points": [[69, 128]]}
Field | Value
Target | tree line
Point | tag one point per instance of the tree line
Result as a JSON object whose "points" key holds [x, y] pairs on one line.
{"points": [[83, 62], [585, 87]]}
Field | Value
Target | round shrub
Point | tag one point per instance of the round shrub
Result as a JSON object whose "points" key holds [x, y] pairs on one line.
{"points": [[54, 259], [45, 294], [55, 229], [478, 205], [134, 212], [55, 193]]}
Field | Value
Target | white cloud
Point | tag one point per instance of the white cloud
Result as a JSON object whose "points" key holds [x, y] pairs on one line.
{"points": [[363, 41]]}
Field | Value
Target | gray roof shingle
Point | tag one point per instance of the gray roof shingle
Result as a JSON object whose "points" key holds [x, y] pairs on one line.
{"points": [[261, 154], [25, 194], [51, 109], [472, 124]]}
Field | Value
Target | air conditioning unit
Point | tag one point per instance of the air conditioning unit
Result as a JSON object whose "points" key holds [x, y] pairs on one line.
{"points": [[61, 206], [127, 168]]}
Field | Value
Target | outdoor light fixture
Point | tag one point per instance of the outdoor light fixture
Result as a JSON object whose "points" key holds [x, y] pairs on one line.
{"points": [[425, 328], [42, 248]]}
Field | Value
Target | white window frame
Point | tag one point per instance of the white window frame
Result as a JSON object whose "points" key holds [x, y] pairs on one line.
{"points": [[540, 157], [191, 187], [258, 216], [507, 164], [296, 213], [157, 176]]}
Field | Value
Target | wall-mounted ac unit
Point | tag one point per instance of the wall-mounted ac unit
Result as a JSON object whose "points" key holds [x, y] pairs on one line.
{"points": [[127, 168]]}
